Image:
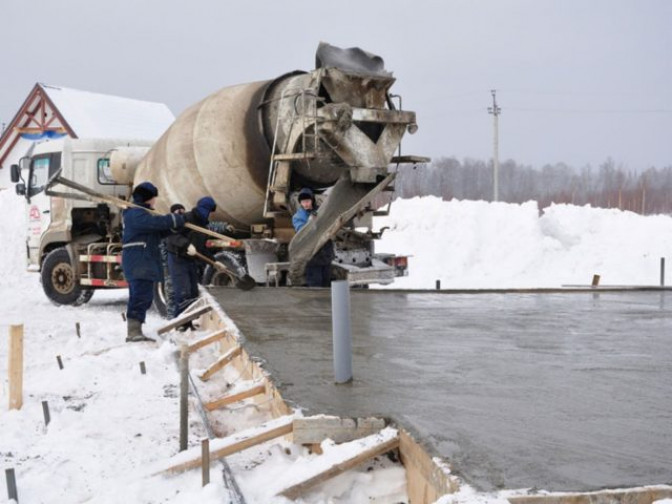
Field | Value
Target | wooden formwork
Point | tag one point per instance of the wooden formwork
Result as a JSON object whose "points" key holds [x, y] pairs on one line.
{"points": [[426, 479]]}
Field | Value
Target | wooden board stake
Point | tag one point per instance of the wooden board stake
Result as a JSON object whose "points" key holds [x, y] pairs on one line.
{"points": [[15, 366], [205, 461]]}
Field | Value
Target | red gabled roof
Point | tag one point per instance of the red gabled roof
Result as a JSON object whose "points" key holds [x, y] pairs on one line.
{"points": [[38, 114]]}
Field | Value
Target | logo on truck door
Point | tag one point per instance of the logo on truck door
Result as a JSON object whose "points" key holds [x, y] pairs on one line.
{"points": [[34, 220], [34, 213]]}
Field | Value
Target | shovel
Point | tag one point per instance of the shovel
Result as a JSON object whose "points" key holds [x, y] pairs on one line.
{"points": [[245, 282]]}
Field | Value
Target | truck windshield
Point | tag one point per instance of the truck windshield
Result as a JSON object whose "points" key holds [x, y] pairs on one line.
{"points": [[42, 168], [39, 174]]}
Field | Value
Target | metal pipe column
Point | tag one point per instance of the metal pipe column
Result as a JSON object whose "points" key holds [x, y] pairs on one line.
{"points": [[342, 337]]}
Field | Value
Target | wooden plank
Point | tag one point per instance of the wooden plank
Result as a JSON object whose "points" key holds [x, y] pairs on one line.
{"points": [[184, 318], [638, 495], [384, 441], [15, 366], [426, 480], [313, 430], [220, 448], [221, 362], [250, 391], [206, 340]]}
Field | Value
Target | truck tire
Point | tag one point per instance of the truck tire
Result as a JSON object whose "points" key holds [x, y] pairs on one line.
{"points": [[161, 301], [163, 291], [235, 262], [60, 282]]}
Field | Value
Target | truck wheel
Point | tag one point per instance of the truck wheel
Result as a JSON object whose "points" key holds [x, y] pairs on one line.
{"points": [[231, 260], [163, 291], [60, 282], [161, 299]]}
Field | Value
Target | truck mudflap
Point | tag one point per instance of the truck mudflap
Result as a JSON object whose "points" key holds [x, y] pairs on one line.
{"points": [[344, 202]]}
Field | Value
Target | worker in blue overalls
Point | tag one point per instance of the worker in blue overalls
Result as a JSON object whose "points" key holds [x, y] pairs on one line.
{"points": [[182, 248], [140, 256]]}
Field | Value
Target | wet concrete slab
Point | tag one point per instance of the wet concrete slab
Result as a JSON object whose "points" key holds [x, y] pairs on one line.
{"points": [[558, 391]]}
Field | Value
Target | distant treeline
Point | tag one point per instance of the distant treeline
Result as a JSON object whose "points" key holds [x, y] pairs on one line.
{"points": [[608, 186]]}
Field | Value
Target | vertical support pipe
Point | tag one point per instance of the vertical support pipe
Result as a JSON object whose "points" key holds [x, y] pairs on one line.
{"points": [[60, 362], [184, 392], [342, 338], [438, 285], [596, 281], [662, 272], [143, 369], [11, 485], [15, 366], [205, 460], [78, 330]]}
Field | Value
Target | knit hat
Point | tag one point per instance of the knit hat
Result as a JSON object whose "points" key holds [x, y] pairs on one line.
{"points": [[204, 206], [144, 192], [305, 193], [175, 207]]}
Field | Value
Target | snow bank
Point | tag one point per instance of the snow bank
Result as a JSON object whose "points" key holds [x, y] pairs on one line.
{"points": [[476, 244]]}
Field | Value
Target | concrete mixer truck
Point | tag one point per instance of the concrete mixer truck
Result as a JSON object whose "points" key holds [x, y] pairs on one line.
{"points": [[252, 147]]}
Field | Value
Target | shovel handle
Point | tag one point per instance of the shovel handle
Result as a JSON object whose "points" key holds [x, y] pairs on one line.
{"points": [[121, 203]]}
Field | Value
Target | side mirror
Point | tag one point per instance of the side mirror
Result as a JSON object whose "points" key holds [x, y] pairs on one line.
{"points": [[15, 173], [20, 188]]}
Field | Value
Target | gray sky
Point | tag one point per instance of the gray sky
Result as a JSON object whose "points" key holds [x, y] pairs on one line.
{"points": [[577, 80]]}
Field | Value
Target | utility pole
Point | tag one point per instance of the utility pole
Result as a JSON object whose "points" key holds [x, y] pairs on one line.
{"points": [[495, 111]]}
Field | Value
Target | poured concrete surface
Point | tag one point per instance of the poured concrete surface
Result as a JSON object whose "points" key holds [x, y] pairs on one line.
{"points": [[565, 391]]}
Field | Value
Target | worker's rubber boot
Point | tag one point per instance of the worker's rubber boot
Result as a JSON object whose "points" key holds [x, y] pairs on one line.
{"points": [[134, 333]]}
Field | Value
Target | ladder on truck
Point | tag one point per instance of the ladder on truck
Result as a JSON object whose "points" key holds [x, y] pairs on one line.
{"points": [[279, 172]]}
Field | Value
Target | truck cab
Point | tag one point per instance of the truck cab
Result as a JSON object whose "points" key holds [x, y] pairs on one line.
{"points": [[60, 227]]}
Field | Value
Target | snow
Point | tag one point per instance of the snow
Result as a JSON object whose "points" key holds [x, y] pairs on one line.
{"points": [[475, 244], [124, 117], [110, 424]]}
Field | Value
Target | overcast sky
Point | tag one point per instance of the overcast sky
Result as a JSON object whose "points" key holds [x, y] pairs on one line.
{"points": [[578, 81]]}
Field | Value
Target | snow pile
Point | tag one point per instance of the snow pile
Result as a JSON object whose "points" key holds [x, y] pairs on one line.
{"points": [[475, 244]]}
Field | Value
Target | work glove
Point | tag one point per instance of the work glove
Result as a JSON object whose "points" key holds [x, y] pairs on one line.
{"points": [[191, 250]]}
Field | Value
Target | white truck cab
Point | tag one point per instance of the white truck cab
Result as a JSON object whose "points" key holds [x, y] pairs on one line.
{"points": [[62, 229]]}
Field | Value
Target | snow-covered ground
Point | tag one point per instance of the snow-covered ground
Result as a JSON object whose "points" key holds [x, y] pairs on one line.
{"points": [[111, 425]]}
